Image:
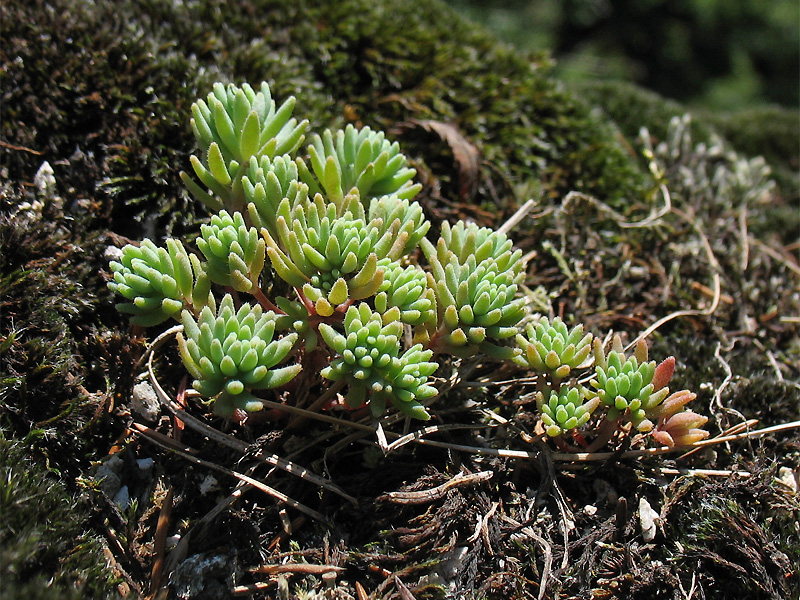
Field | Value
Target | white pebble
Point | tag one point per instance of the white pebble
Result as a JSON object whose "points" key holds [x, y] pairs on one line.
{"points": [[145, 401]]}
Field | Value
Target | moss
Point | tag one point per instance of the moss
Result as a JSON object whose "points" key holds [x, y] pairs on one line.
{"points": [[631, 107], [54, 326], [731, 540], [120, 94], [45, 551]]}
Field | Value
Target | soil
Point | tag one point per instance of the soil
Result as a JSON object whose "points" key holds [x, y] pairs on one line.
{"points": [[102, 498]]}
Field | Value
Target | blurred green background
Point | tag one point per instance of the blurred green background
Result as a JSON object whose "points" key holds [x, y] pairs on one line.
{"points": [[708, 54]]}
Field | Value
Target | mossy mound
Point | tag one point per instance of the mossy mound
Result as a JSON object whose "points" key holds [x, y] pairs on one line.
{"points": [[101, 91]]}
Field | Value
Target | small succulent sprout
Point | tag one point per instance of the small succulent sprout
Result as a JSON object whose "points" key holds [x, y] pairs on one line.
{"points": [[477, 307], [403, 218], [158, 282], [361, 159], [233, 125], [368, 358], [333, 260], [681, 429], [550, 347], [625, 384], [566, 409], [235, 253], [295, 318], [467, 239], [406, 288], [231, 353], [267, 182]]}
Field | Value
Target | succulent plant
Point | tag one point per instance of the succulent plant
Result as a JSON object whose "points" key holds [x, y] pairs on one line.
{"points": [[566, 409], [235, 254], [475, 275], [403, 218], [678, 427], [332, 259], [158, 282], [406, 288], [368, 358], [232, 126], [340, 231], [624, 384], [361, 159], [551, 348], [231, 353], [266, 183]]}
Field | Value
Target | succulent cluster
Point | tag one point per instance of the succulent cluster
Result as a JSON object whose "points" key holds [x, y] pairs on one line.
{"points": [[551, 348], [327, 247], [232, 352], [369, 360], [474, 275], [158, 282], [622, 390], [566, 409]]}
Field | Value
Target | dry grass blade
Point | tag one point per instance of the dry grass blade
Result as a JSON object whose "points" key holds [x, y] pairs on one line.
{"points": [[160, 543], [234, 443], [515, 219], [603, 456], [418, 434], [279, 496]]}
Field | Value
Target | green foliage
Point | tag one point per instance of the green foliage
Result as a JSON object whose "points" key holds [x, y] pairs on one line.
{"points": [[332, 259], [475, 274], [233, 126], [231, 353], [550, 347], [565, 410], [266, 183], [370, 361], [158, 282], [625, 385], [361, 159], [235, 254], [406, 288]]}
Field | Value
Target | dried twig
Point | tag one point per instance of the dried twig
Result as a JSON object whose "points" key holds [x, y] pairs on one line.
{"points": [[423, 496], [302, 568], [279, 496]]}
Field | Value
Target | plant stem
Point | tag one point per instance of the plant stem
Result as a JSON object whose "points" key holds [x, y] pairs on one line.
{"points": [[607, 429], [265, 302]]}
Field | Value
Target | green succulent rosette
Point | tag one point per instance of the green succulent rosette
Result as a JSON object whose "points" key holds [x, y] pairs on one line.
{"points": [[403, 218], [551, 347], [625, 384], [566, 409], [368, 358], [232, 126], [332, 258], [475, 276], [235, 253], [267, 182], [406, 288], [157, 283], [231, 353], [363, 159]]}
